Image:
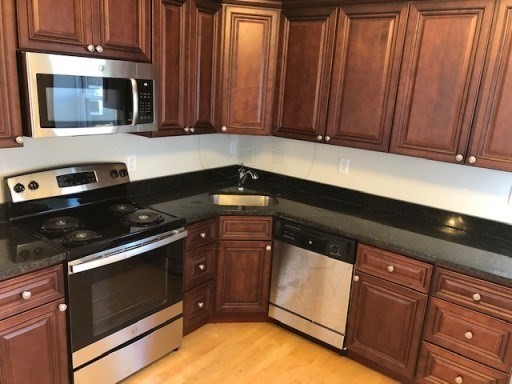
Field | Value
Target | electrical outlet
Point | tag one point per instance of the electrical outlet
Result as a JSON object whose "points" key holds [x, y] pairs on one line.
{"points": [[344, 165], [131, 163]]}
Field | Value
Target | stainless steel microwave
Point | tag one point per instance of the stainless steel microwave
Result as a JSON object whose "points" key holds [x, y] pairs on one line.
{"points": [[73, 96]]}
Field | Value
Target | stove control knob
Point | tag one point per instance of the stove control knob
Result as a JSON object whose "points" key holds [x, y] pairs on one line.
{"points": [[33, 185], [18, 188], [334, 249], [114, 173], [123, 172]]}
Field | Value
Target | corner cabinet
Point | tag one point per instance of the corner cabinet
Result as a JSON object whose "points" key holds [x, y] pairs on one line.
{"points": [[33, 336], [186, 45], [244, 263], [118, 29], [248, 69], [10, 115], [387, 308]]}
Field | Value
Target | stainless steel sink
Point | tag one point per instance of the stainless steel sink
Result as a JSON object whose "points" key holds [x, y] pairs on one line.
{"points": [[247, 200]]}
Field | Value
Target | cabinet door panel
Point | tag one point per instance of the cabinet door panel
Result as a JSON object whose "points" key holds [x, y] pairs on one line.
{"points": [[441, 71], [385, 322], [124, 29], [248, 69], [33, 345], [365, 76], [10, 116], [492, 135], [305, 54], [55, 25]]}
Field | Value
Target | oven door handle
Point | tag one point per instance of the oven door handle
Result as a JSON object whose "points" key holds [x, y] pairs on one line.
{"points": [[113, 257]]}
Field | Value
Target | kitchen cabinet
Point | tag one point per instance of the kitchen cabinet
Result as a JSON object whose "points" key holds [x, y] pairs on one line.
{"points": [[118, 29], [387, 308], [442, 67], [10, 115], [248, 69], [491, 141], [200, 272], [186, 45], [244, 263], [316, 104], [33, 336], [468, 318]]}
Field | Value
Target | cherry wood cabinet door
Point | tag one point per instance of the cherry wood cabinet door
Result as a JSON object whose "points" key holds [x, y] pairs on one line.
{"points": [[491, 144], [243, 279], [304, 73], [10, 115], [249, 52], [365, 75], [33, 347], [384, 325], [440, 78], [123, 29]]}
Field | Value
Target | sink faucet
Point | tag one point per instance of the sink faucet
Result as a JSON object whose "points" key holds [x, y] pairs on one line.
{"points": [[242, 175]]}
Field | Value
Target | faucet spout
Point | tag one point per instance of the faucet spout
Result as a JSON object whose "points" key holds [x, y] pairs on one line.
{"points": [[242, 176]]}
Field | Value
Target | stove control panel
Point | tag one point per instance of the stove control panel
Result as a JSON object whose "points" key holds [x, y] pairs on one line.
{"points": [[65, 181]]}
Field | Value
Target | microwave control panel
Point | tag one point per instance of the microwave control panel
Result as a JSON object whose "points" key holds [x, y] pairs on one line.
{"points": [[145, 88]]}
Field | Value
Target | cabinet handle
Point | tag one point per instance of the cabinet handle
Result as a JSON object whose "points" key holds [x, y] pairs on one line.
{"points": [[468, 335], [319, 137], [201, 267], [26, 295], [224, 128], [192, 130], [477, 297], [200, 304], [90, 48], [186, 129], [390, 268], [472, 159], [268, 247], [459, 157], [19, 139], [327, 138], [99, 49], [62, 307], [459, 380], [356, 278], [203, 235]]}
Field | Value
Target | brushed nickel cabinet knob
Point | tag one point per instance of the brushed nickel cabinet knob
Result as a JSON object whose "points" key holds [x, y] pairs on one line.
{"points": [[19, 139], [26, 295], [268, 247], [356, 278], [476, 297], [62, 307], [99, 49], [390, 268], [459, 380], [319, 137], [201, 267], [472, 159], [203, 235], [200, 305], [459, 157], [468, 335], [224, 128], [90, 48], [327, 138]]}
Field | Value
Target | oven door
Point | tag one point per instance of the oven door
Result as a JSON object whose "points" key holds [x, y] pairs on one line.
{"points": [[108, 293]]}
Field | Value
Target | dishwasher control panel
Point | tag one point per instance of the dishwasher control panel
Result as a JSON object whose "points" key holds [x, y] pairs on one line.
{"points": [[315, 240]]}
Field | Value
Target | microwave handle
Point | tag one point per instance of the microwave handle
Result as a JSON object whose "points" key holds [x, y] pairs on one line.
{"points": [[135, 96]]}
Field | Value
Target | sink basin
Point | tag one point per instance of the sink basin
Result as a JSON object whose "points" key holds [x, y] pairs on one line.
{"points": [[247, 200]]}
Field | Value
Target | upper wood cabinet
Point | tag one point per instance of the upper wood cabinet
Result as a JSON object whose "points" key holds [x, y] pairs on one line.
{"points": [[491, 143], [10, 116], [249, 52], [441, 71], [118, 29], [186, 45]]}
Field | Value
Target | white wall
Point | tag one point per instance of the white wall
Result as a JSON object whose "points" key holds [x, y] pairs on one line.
{"points": [[470, 190]]}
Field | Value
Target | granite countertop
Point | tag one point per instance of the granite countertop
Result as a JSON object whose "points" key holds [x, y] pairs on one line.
{"points": [[474, 246]]}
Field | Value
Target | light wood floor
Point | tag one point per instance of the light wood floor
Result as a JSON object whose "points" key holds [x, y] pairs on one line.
{"points": [[252, 353]]}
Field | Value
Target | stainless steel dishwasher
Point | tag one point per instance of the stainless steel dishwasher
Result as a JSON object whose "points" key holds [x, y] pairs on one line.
{"points": [[311, 281]]}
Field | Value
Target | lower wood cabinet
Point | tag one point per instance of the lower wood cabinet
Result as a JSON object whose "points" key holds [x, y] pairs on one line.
{"points": [[198, 306]]}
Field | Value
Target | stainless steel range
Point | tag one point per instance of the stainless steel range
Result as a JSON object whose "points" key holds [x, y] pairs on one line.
{"points": [[124, 264]]}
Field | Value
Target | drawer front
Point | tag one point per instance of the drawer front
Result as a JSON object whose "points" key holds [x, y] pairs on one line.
{"points": [[481, 295], [393, 267], [245, 228], [437, 365], [200, 234], [198, 305], [200, 266], [469, 333], [32, 290]]}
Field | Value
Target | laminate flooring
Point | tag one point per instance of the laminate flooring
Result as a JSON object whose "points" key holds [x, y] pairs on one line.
{"points": [[253, 353]]}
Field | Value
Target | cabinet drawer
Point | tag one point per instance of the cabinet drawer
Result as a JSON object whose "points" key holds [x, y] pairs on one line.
{"points": [[437, 365], [200, 266], [393, 267], [202, 233], [469, 333], [198, 305], [481, 295], [32, 290], [245, 228]]}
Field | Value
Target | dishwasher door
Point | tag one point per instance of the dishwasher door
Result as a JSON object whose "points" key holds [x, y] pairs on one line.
{"points": [[310, 292]]}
